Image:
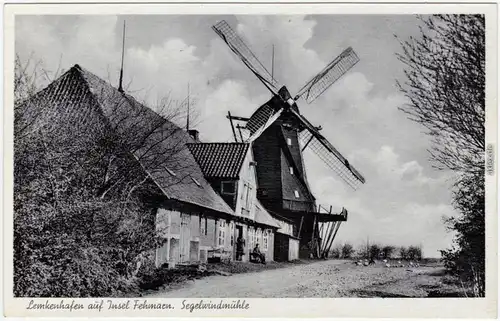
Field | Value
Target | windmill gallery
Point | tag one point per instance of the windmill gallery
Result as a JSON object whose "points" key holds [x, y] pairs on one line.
{"points": [[217, 201]]}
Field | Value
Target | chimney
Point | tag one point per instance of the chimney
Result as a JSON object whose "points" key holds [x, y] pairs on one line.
{"points": [[194, 134]]}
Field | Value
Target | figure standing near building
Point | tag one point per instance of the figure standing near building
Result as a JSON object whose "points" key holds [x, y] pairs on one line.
{"points": [[240, 247]]}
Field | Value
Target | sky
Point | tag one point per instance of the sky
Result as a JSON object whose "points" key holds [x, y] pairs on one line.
{"points": [[403, 201]]}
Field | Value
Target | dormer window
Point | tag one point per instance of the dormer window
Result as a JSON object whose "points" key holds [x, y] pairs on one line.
{"points": [[228, 188], [195, 181]]}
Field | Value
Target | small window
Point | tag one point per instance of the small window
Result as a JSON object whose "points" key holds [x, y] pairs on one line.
{"points": [[291, 170], [228, 188], [222, 233], [232, 233], [248, 200], [195, 181], [289, 141], [203, 226], [296, 194], [245, 186]]}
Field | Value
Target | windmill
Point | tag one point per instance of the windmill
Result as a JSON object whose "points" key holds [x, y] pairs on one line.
{"points": [[276, 128]]}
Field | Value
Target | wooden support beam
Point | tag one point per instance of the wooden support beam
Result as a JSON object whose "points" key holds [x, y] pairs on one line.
{"points": [[232, 125], [313, 235], [336, 230], [327, 236], [330, 238], [330, 229], [239, 130], [300, 226], [237, 118], [318, 243], [307, 143], [327, 226], [314, 226], [321, 229]]}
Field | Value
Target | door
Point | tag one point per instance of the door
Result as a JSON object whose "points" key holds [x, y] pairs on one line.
{"points": [[237, 233], [185, 237]]}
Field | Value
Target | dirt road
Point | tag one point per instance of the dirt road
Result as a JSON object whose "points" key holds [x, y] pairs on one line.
{"points": [[334, 278]]}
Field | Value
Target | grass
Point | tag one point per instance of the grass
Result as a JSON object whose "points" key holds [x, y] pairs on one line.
{"points": [[236, 267], [168, 279]]}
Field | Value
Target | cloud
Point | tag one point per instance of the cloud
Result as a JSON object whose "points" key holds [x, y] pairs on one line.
{"points": [[403, 200], [398, 205]]}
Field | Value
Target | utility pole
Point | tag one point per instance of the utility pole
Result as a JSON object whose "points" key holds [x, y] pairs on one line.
{"points": [[367, 247], [272, 65], [120, 88], [187, 120]]}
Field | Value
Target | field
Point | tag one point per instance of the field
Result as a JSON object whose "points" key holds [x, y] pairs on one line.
{"points": [[329, 278]]}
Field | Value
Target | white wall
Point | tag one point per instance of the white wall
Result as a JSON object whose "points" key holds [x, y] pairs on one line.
{"points": [[180, 239], [248, 177]]}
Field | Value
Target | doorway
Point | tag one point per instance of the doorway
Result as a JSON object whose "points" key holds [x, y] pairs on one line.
{"points": [[239, 252]]}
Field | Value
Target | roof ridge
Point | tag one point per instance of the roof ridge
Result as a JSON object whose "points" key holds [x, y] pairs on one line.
{"points": [[99, 93], [219, 143]]}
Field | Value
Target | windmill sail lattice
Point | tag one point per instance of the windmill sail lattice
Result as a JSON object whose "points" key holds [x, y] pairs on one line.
{"points": [[238, 46], [334, 161], [311, 138], [266, 115], [330, 74], [259, 118]]}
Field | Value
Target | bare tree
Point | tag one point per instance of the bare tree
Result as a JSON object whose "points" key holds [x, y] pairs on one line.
{"points": [[445, 81], [83, 190], [445, 84]]}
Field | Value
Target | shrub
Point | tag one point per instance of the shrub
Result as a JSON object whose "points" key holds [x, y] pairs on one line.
{"points": [[347, 251], [335, 252], [414, 253], [403, 253], [387, 251], [375, 251]]}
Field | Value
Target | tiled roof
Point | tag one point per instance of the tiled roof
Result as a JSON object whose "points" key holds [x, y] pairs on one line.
{"points": [[163, 153], [263, 217], [221, 160]]}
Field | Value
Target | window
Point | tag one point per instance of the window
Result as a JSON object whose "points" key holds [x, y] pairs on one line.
{"points": [[296, 194], [251, 237], [258, 235], [291, 170], [289, 141], [195, 181], [248, 198], [244, 191], [228, 188], [222, 233], [265, 240], [203, 225], [232, 233]]}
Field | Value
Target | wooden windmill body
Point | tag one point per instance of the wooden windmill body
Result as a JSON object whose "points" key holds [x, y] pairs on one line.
{"points": [[279, 134]]}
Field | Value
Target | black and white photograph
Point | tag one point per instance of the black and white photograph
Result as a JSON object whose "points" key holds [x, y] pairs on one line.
{"points": [[250, 156]]}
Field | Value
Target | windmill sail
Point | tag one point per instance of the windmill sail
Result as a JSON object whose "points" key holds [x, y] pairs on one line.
{"points": [[238, 46], [330, 74], [268, 123], [311, 138], [259, 118]]}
